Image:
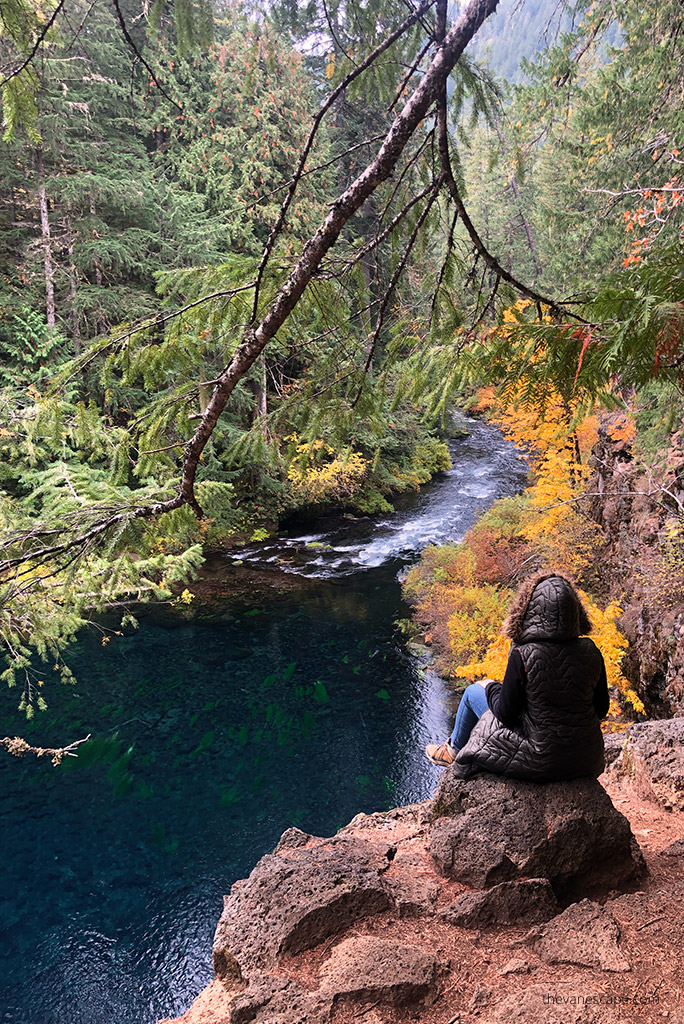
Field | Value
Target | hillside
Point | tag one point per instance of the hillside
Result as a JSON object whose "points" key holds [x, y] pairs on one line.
{"points": [[518, 30]]}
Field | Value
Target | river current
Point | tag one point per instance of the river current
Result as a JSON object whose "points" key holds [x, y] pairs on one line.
{"points": [[299, 707]]}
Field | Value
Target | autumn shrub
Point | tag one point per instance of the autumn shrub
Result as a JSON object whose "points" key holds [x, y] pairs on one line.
{"points": [[498, 544], [475, 621], [318, 474], [440, 565]]}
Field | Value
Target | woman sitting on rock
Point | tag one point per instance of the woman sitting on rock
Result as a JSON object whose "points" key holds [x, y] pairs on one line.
{"points": [[543, 722]]}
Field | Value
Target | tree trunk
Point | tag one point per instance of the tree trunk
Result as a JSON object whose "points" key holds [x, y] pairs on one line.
{"points": [[47, 245], [75, 329], [101, 325], [255, 339], [262, 397], [204, 392]]}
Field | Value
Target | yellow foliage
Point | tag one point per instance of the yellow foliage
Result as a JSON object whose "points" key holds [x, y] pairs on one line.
{"points": [[612, 645], [605, 635], [557, 447], [317, 473], [586, 433], [493, 664], [475, 619]]}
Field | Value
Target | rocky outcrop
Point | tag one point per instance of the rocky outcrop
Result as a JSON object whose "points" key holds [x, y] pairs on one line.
{"points": [[491, 829], [295, 899], [561, 1004], [650, 759], [642, 565], [523, 902], [367, 967], [586, 935], [382, 920]]}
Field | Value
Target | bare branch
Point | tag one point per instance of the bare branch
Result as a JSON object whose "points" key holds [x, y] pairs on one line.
{"points": [[374, 242], [392, 285], [560, 311], [318, 167], [18, 747], [129, 39], [409, 75], [443, 268]]}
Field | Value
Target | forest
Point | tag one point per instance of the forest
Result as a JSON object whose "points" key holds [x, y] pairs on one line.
{"points": [[325, 330], [251, 260]]}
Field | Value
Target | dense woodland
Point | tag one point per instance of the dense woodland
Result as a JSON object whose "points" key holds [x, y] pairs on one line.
{"points": [[187, 358]]}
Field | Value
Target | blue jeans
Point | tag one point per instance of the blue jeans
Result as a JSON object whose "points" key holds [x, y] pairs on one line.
{"points": [[473, 705]]}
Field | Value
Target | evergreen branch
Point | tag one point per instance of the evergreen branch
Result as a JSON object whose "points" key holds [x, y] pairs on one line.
{"points": [[167, 447], [375, 242], [123, 515], [36, 46], [129, 39], [159, 321], [318, 117], [399, 269], [326, 334], [443, 268], [445, 157]]}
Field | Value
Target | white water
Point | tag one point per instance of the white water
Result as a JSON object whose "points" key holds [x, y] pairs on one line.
{"points": [[440, 512]]}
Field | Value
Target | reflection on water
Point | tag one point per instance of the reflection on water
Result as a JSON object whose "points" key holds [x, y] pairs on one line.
{"points": [[208, 741]]}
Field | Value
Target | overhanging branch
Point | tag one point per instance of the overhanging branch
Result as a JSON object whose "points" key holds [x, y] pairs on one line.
{"points": [[481, 249]]}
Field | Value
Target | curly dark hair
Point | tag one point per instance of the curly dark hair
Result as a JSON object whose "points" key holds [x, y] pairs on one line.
{"points": [[513, 623]]}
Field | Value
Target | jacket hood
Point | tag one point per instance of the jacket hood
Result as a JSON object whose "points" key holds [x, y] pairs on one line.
{"points": [[546, 608]]}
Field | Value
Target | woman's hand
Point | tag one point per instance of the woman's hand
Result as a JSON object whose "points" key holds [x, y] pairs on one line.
{"points": [[484, 682]]}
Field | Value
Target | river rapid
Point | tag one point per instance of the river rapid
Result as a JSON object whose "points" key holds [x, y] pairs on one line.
{"points": [[291, 705]]}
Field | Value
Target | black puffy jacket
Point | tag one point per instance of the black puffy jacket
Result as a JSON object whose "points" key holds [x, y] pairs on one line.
{"points": [[559, 734]]}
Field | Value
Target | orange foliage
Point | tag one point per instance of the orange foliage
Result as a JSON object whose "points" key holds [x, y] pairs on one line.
{"points": [[657, 207], [622, 428]]}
